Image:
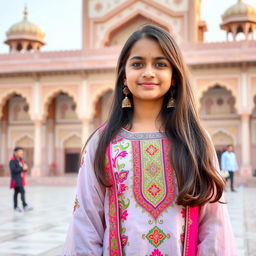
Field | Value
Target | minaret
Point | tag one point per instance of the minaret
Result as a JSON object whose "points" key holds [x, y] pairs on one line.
{"points": [[25, 36], [240, 17]]}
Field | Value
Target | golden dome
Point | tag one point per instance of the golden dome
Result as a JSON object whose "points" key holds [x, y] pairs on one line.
{"points": [[25, 30], [240, 9]]}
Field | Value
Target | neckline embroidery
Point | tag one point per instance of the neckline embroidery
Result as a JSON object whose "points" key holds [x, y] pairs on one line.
{"points": [[140, 135]]}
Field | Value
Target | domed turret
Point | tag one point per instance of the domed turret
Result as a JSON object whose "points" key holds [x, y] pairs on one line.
{"points": [[240, 17], [25, 36]]}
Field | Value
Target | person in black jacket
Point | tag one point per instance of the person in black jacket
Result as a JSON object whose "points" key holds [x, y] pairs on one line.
{"points": [[18, 170]]}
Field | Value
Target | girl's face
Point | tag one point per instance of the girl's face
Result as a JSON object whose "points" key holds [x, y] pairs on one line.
{"points": [[148, 72]]}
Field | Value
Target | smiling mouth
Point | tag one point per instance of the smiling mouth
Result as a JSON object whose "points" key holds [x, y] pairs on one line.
{"points": [[148, 84]]}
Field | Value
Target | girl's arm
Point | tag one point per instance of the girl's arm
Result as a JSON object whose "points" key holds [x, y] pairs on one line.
{"points": [[86, 231], [215, 231]]}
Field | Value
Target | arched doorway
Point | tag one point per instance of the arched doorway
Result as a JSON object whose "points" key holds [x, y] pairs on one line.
{"points": [[15, 123], [72, 151], [61, 121], [219, 115], [102, 109], [221, 140]]}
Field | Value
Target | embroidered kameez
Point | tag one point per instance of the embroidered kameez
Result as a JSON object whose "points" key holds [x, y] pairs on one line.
{"points": [[138, 215]]}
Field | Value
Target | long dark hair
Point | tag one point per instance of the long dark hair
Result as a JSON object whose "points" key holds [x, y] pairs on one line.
{"points": [[192, 156]]}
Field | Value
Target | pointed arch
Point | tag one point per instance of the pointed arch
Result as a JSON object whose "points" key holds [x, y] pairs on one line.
{"points": [[52, 94], [98, 94], [223, 134], [129, 20], [70, 136], [23, 138], [9, 94], [201, 91]]}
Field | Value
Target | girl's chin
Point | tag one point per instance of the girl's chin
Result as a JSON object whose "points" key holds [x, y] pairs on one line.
{"points": [[148, 98]]}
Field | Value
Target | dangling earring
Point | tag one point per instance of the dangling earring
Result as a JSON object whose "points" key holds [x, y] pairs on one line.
{"points": [[171, 102], [126, 103]]}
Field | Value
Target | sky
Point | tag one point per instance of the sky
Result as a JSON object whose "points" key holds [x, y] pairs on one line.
{"points": [[61, 20]]}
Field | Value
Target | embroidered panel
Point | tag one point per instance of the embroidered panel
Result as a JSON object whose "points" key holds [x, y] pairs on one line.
{"points": [[153, 180]]}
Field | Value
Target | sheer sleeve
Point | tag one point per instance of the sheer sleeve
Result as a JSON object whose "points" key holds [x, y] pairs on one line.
{"points": [[215, 231], [86, 230]]}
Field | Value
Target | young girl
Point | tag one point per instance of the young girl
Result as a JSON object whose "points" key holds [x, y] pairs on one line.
{"points": [[148, 184]]}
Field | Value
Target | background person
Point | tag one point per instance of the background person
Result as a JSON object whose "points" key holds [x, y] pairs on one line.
{"points": [[18, 170], [229, 163]]}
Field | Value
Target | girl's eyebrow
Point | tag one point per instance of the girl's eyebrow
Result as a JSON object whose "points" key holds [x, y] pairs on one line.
{"points": [[141, 58]]}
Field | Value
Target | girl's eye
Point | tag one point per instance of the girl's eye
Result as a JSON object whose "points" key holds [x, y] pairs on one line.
{"points": [[161, 65], [137, 64]]}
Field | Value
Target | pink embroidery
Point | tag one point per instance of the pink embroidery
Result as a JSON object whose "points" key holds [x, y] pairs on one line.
{"points": [[183, 213], [116, 140], [191, 239], [76, 205], [124, 240], [119, 154], [114, 236], [124, 215], [121, 176], [82, 162], [156, 252], [121, 189]]}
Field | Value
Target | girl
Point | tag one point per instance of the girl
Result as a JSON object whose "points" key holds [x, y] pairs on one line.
{"points": [[148, 183]]}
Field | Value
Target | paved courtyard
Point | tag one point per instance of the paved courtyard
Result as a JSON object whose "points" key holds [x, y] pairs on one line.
{"points": [[43, 231]]}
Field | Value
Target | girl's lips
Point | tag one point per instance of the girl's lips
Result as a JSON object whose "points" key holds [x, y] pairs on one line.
{"points": [[148, 84]]}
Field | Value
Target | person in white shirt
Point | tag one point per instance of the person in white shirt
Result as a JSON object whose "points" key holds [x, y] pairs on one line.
{"points": [[229, 163]]}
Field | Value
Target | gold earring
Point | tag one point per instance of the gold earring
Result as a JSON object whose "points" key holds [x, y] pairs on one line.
{"points": [[171, 102], [126, 103]]}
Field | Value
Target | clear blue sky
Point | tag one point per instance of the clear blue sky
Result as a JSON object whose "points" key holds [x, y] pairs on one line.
{"points": [[61, 20]]}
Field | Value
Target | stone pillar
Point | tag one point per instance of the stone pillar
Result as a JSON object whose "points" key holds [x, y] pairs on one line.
{"points": [[50, 140], [84, 103], [4, 148], [85, 130], [245, 167], [36, 170]]}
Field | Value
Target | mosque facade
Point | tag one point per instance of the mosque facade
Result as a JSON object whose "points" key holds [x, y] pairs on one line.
{"points": [[50, 102]]}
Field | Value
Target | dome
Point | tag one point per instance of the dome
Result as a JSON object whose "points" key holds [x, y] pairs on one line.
{"points": [[25, 30], [240, 9]]}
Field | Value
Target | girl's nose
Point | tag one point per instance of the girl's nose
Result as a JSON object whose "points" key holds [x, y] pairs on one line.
{"points": [[148, 73]]}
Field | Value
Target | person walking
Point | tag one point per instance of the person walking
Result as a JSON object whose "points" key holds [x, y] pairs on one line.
{"points": [[18, 170], [229, 163]]}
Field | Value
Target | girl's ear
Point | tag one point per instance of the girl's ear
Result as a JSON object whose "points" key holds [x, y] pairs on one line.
{"points": [[125, 82]]}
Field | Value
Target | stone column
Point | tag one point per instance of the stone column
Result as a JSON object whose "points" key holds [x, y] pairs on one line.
{"points": [[50, 143], [36, 170], [3, 146], [85, 130], [245, 167], [85, 104]]}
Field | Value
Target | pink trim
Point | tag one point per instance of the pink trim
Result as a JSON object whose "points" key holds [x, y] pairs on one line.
{"points": [[191, 232], [114, 236]]}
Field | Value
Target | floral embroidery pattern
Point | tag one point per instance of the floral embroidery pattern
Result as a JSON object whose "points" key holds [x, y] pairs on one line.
{"points": [[182, 235], [120, 176], [156, 252], [153, 180], [156, 236], [76, 205]]}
